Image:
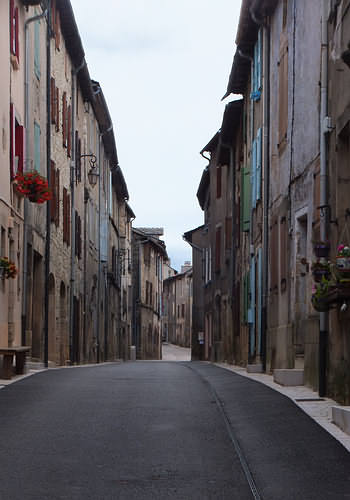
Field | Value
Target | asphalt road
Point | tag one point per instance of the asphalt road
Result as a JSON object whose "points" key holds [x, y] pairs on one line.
{"points": [[161, 430]]}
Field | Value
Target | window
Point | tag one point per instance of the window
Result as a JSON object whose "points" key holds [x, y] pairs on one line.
{"points": [[78, 244], [256, 168], [69, 131], [283, 96], [37, 134], [55, 24], [55, 105], [16, 144], [37, 49], [77, 157], [66, 216], [257, 78], [14, 39], [55, 188]]}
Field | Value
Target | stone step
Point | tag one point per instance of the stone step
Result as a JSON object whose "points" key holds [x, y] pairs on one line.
{"points": [[256, 368], [341, 417], [289, 377]]}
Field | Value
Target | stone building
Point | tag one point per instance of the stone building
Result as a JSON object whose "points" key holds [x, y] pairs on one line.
{"points": [[148, 255], [177, 298]]}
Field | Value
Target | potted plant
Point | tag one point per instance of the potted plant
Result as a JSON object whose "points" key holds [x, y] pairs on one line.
{"points": [[320, 292], [7, 268], [320, 270], [321, 248], [34, 186], [343, 261]]}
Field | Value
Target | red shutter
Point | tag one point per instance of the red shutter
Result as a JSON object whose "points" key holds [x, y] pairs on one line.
{"points": [[12, 139], [57, 196], [53, 100], [16, 34], [65, 215], [19, 147], [64, 118], [12, 31]]}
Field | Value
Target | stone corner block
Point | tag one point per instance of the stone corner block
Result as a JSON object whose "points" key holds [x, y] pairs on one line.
{"points": [[289, 377], [341, 417]]}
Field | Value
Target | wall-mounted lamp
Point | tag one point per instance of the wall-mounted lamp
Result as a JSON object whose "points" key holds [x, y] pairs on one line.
{"points": [[93, 173]]}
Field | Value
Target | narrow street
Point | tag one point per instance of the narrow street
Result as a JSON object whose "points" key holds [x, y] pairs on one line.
{"points": [[157, 430]]}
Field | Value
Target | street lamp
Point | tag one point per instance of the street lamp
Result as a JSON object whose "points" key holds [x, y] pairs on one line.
{"points": [[93, 172]]}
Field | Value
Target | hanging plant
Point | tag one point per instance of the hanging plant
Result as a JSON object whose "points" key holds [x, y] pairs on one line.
{"points": [[34, 186], [7, 268], [321, 248], [320, 270]]}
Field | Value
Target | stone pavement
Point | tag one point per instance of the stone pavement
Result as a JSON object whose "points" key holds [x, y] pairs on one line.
{"points": [[173, 352], [319, 409]]}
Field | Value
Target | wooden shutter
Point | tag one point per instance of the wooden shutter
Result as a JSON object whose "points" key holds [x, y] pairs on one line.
{"points": [[283, 253], [77, 157], [53, 100], [253, 174], [57, 197], [245, 199], [218, 181], [228, 233], [64, 119], [53, 204], [65, 215], [283, 95], [258, 164], [12, 139], [12, 28], [57, 118], [69, 131], [16, 52], [218, 249], [68, 220]]}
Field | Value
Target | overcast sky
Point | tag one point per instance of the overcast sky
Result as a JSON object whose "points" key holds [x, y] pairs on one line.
{"points": [[163, 66]]}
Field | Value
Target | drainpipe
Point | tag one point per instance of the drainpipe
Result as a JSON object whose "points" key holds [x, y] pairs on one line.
{"points": [[48, 167], [26, 202], [74, 74], [323, 335]]}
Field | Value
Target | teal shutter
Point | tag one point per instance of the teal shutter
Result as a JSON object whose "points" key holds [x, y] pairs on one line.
{"points": [[252, 307], [37, 48], [245, 199], [37, 134], [253, 174], [258, 164], [259, 301]]}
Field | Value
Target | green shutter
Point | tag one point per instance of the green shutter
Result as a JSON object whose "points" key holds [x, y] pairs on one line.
{"points": [[245, 199], [253, 174], [258, 148]]}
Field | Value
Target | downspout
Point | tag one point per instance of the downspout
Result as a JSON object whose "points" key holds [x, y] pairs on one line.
{"points": [[26, 202], [323, 335], [74, 74], [48, 167]]}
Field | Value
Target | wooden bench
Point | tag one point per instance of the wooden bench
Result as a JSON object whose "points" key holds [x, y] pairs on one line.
{"points": [[8, 353]]}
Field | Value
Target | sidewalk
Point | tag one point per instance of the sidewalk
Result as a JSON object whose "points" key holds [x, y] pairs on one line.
{"points": [[319, 409]]}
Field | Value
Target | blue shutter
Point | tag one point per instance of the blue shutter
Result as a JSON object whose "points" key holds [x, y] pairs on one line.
{"points": [[252, 307], [258, 62], [37, 146], [253, 174], [258, 164], [259, 301]]}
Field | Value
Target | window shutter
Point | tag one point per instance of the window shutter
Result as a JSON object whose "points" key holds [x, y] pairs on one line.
{"points": [[253, 174], [12, 139], [218, 249], [57, 118], [283, 95], [69, 131], [68, 219], [258, 164], [64, 119], [16, 52], [53, 100], [273, 255], [245, 199], [57, 197], [53, 189], [12, 27], [65, 215], [76, 237], [258, 60], [228, 233]]}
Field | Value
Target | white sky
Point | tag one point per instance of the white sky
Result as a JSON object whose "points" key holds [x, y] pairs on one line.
{"points": [[163, 66]]}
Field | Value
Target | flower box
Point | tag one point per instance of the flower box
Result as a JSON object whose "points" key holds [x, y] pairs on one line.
{"points": [[34, 186]]}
